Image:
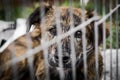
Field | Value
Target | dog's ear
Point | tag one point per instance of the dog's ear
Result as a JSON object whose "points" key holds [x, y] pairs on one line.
{"points": [[90, 14], [100, 33], [37, 15]]}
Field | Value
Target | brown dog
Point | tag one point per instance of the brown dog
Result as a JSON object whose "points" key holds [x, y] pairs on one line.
{"points": [[19, 47]]}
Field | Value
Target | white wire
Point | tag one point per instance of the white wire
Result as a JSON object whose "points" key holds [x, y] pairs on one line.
{"points": [[107, 15], [73, 53], [45, 50], [84, 40], [49, 43], [59, 31]]}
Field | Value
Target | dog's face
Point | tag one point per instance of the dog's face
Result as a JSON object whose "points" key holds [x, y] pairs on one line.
{"points": [[65, 44], [64, 25]]}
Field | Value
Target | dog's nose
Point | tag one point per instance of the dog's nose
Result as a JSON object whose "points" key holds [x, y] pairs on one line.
{"points": [[65, 59]]}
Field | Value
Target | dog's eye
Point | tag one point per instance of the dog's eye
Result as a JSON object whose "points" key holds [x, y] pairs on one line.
{"points": [[78, 34], [53, 31]]}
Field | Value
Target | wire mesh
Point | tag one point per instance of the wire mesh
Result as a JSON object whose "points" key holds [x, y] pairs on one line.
{"points": [[45, 43]]}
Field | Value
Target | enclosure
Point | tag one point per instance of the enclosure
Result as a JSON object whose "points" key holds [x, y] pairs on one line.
{"points": [[14, 17]]}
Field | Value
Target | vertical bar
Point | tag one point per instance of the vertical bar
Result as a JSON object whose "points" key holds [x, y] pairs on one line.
{"points": [[45, 51], [14, 66], [104, 37], [57, 17], [84, 52], [30, 59], [116, 24], [96, 40], [110, 7], [84, 40], [31, 68], [104, 49], [96, 50], [73, 54]]}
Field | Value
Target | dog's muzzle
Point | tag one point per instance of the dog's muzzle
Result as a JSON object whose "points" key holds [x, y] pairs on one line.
{"points": [[57, 60], [65, 59]]}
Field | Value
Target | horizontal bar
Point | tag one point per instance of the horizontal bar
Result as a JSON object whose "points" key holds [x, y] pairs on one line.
{"points": [[108, 15], [49, 43]]}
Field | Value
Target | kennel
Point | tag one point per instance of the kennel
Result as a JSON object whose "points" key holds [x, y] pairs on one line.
{"points": [[109, 11]]}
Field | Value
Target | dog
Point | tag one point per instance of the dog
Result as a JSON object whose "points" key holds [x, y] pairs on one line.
{"points": [[19, 47]]}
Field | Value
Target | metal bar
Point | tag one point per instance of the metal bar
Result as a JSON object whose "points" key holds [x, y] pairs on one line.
{"points": [[96, 41], [60, 36], [108, 15], [73, 53], [14, 66], [84, 53], [30, 59], [104, 48], [85, 23], [59, 31], [30, 51], [47, 44], [110, 7], [84, 40], [104, 38], [96, 50], [45, 50], [116, 24]]}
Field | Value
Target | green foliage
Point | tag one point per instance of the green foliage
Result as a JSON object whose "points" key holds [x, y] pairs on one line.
{"points": [[21, 12], [16, 12], [74, 4], [90, 6], [113, 39], [2, 14]]}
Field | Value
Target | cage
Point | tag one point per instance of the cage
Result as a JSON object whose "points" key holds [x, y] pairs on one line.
{"points": [[59, 40]]}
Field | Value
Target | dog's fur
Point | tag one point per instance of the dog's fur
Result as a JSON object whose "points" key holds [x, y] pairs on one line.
{"points": [[19, 47]]}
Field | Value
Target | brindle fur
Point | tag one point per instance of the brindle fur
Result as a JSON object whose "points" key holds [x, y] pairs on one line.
{"points": [[19, 47]]}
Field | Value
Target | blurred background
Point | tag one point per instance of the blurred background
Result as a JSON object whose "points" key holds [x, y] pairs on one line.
{"points": [[11, 10]]}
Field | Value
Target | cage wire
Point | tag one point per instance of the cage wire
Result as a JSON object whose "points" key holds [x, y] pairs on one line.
{"points": [[106, 17]]}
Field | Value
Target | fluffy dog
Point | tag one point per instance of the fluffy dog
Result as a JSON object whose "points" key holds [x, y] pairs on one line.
{"points": [[19, 47]]}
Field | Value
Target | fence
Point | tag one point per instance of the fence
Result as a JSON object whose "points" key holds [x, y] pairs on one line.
{"points": [[112, 60]]}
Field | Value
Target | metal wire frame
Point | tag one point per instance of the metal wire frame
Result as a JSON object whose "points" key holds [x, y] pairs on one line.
{"points": [[72, 30]]}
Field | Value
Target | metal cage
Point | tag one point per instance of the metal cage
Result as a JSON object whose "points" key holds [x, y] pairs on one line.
{"points": [[109, 17]]}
